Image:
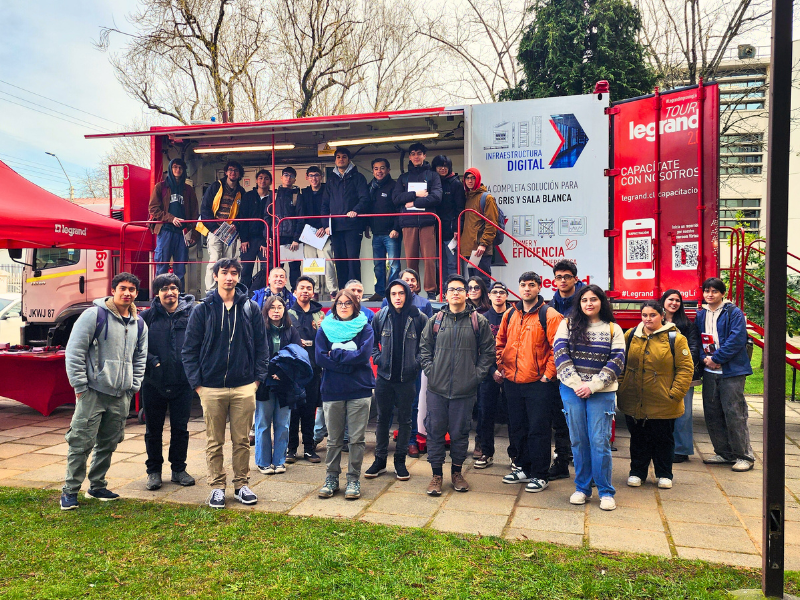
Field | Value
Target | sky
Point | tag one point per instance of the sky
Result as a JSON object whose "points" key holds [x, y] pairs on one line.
{"points": [[49, 51]]}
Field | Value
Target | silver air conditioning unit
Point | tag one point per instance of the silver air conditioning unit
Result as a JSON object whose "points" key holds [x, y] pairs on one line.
{"points": [[746, 51]]}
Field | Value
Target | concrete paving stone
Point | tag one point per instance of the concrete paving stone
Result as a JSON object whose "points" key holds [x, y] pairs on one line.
{"points": [[4, 473], [694, 464], [604, 537], [44, 439], [52, 473], [196, 426], [712, 537], [685, 512], [27, 431], [692, 477], [336, 507], [753, 507], [629, 517], [695, 493], [133, 446], [490, 481], [195, 494], [127, 470], [5, 438], [315, 476], [393, 519], [414, 505], [457, 521], [29, 462], [481, 502], [553, 537], [565, 521], [127, 456], [12, 449], [7, 424], [642, 497], [286, 492], [549, 498], [58, 449], [717, 556], [28, 483], [742, 489]]}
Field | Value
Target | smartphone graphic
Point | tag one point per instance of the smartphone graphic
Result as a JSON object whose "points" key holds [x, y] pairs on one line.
{"points": [[637, 248]]}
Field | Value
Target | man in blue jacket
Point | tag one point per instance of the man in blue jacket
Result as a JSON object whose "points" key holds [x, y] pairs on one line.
{"points": [[225, 358], [723, 334], [346, 193]]}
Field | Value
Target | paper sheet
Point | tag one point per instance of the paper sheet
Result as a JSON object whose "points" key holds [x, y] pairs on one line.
{"points": [[452, 245], [288, 255], [473, 258], [417, 186], [309, 236]]}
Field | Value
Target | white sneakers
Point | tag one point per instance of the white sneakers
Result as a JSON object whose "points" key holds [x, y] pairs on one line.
{"points": [[664, 483], [578, 498], [607, 503], [742, 465], [634, 481]]}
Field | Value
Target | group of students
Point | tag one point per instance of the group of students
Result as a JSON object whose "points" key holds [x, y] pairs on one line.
{"points": [[284, 365], [239, 224]]}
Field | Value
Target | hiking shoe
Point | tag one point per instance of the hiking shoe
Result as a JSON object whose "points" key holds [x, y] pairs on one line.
{"points": [[413, 451], [280, 469], [484, 462], [558, 470], [679, 458], [311, 456], [330, 487], [742, 465], [536, 485], [182, 478], [216, 499], [291, 458], [634, 481], [268, 470], [245, 495], [718, 460], [517, 476], [459, 483], [608, 503], [153, 481], [375, 298], [69, 501], [435, 486], [378, 467], [664, 483], [578, 498], [477, 452], [103, 494], [353, 490], [400, 470]]}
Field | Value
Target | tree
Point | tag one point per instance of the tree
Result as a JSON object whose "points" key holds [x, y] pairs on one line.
{"points": [[572, 44]]}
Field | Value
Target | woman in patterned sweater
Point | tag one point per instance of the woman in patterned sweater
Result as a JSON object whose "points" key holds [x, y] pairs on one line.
{"points": [[589, 352]]}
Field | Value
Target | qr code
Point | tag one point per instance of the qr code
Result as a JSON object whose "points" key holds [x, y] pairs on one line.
{"points": [[684, 256], [639, 250]]}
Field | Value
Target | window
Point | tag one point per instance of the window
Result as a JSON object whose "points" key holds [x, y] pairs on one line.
{"points": [[733, 210], [741, 149], [50, 258]]}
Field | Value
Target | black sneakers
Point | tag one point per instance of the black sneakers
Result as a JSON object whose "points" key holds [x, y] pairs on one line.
{"points": [[311, 456], [103, 494], [378, 467], [245, 495], [558, 470], [69, 501], [400, 470]]}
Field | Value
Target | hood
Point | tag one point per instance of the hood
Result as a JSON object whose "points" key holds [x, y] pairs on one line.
{"points": [[185, 301], [539, 301], [477, 174], [313, 306], [721, 306], [349, 168], [240, 294], [176, 185], [108, 304], [665, 327], [464, 313], [375, 184], [409, 303], [450, 177], [425, 166]]}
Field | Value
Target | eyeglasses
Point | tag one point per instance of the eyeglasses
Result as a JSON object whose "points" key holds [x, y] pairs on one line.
{"points": [[474, 288], [498, 293], [563, 277], [458, 290], [347, 304], [169, 288], [232, 170]]}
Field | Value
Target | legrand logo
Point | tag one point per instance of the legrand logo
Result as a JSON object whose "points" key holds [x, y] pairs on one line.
{"points": [[70, 231]]}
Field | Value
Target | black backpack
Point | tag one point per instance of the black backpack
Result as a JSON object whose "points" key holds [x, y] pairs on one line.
{"points": [[542, 317], [501, 218], [476, 329], [671, 335]]}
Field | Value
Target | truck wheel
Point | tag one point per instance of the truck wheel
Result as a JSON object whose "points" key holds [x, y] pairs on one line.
{"points": [[141, 416]]}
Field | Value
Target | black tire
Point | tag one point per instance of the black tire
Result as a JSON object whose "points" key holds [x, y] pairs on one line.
{"points": [[141, 416]]}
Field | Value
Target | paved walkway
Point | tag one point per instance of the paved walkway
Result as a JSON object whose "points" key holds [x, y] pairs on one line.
{"points": [[711, 513]]}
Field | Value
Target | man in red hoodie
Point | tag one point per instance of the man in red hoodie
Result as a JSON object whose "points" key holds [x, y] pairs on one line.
{"points": [[477, 234]]}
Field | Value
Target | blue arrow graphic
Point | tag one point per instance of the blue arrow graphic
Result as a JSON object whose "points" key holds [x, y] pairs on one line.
{"points": [[573, 141]]}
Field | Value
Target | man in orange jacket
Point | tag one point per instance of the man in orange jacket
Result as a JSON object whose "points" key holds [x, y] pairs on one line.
{"points": [[524, 348]]}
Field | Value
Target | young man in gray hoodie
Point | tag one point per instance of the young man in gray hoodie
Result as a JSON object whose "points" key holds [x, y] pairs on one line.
{"points": [[105, 359]]}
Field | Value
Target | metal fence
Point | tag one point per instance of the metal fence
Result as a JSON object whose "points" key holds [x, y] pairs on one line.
{"points": [[11, 278]]}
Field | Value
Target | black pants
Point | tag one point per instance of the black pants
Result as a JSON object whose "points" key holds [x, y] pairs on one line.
{"points": [[253, 252], [488, 398], [347, 244], [303, 417], [529, 425], [156, 402], [651, 439], [560, 428], [390, 395]]}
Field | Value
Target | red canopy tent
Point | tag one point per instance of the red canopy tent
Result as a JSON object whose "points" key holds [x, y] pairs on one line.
{"points": [[31, 217]]}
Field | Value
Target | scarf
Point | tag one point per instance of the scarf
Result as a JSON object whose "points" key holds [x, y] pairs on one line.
{"points": [[343, 331]]}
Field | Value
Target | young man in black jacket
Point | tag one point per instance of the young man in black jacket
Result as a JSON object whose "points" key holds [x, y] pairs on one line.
{"points": [[397, 330], [346, 193], [385, 230], [225, 358], [254, 206], [452, 205], [312, 208], [165, 384], [288, 204], [306, 316], [420, 190]]}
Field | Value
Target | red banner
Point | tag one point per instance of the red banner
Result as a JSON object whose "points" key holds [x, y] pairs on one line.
{"points": [[666, 173]]}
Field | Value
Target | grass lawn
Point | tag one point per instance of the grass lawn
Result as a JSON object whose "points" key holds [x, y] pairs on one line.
{"points": [[131, 549], [755, 383]]}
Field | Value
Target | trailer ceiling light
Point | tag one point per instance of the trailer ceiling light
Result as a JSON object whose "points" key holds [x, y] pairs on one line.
{"points": [[385, 139], [258, 148]]}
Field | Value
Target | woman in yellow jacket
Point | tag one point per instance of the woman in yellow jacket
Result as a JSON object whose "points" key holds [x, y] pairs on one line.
{"points": [[658, 372]]}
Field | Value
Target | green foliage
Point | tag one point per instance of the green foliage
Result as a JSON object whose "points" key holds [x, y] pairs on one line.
{"points": [[572, 44]]}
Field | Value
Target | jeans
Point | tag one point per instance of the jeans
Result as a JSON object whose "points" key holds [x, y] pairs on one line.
{"points": [[248, 261], [530, 425], [446, 415], [415, 410], [170, 244], [651, 439], [356, 414], [303, 417], [488, 397], [589, 422], [560, 428], [347, 245], [390, 394], [271, 416], [217, 250], [155, 410], [449, 262], [726, 416], [684, 441], [385, 247], [485, 264]]}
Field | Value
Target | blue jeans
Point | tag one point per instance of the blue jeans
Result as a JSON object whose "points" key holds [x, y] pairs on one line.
{"points": [[269, 416], [385, 247], [589, 423], [449, 261], [170, 245], [684, 442]]}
